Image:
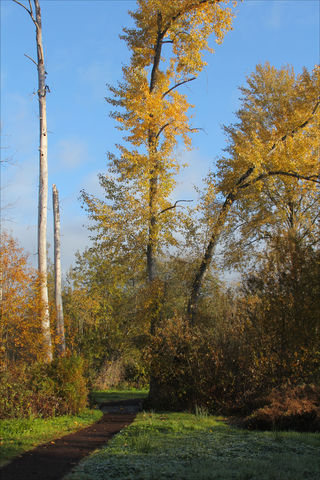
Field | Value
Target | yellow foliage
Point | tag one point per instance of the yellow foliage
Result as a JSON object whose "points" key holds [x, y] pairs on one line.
{"points": [[167, 46], [277, 129]]}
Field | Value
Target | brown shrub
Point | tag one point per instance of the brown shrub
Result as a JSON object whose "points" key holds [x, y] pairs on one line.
{"points": [[288, 408]]}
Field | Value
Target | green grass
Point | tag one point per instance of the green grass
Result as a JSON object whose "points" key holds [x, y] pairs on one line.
{"points": [[101, 396], [19, 435], [182, 446]]}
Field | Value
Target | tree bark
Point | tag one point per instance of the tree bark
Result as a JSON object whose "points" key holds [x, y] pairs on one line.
{"points": [[61, 345], [43, 181], [43, 188]]}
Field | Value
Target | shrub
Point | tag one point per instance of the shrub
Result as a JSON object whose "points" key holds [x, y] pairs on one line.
{"points": [[27, 391], [288, 408], [70, 386], [43, 390], [189, 367]]}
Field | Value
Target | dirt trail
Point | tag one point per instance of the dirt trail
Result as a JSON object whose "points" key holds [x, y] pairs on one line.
{"points": [[52, 461]]}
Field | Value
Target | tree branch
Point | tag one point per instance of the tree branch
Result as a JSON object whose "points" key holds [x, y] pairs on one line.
{"points": [[23, 6], [162, 128], [310, 178], [174, 206], [29, 11], [30, 58], [196, 129], [178, 85]]}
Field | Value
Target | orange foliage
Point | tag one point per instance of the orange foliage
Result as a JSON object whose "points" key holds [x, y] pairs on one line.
{"points": [[20, 327]]}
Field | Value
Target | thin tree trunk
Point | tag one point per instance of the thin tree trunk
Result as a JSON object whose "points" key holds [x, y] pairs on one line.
{"points": [[192, 308], [43, 180], [61, 345], [43, 188]]}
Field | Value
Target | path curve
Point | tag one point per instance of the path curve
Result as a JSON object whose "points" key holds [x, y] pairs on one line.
{"points": [[53, 460]]}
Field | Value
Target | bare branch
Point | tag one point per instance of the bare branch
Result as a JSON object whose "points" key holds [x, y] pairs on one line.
{"points": [[174, 206], [178, 85], [29, 11], [23, 6], [196, 129], [30, 58]]}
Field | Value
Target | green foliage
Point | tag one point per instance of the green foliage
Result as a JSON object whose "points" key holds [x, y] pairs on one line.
{"points": [[27, 391], [19, 435], [70, 386], [187, 447], [43, 390], [102, 306]]}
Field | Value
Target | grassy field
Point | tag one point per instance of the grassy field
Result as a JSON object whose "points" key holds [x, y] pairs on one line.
{"points": [[19, 435], [101, 396], [182, 446]]}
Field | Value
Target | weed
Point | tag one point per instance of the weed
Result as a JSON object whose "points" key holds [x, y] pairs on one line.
{"points": [[142, 444], [201, 412]]}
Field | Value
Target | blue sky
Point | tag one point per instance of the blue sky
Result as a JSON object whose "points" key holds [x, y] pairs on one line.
{"points": [[83, 52]]}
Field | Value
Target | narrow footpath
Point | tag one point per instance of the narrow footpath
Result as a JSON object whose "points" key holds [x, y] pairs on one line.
{"points": [[53, 460]]}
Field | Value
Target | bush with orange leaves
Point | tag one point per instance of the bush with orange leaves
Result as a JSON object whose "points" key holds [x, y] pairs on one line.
{"points": [[20, 326], [288, 407]]}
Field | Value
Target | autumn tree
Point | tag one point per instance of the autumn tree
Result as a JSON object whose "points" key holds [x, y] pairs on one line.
{"points": [[274, 146], [167, 46], [20, 325], [43, 172]]}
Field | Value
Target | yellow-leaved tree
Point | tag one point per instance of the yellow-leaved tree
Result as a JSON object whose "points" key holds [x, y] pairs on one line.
{"points": [[167, 46], [273, 159]]}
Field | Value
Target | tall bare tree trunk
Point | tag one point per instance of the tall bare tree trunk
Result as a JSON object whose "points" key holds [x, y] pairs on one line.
{"points": [[43, 188], [43, 180], [61, 346]]}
